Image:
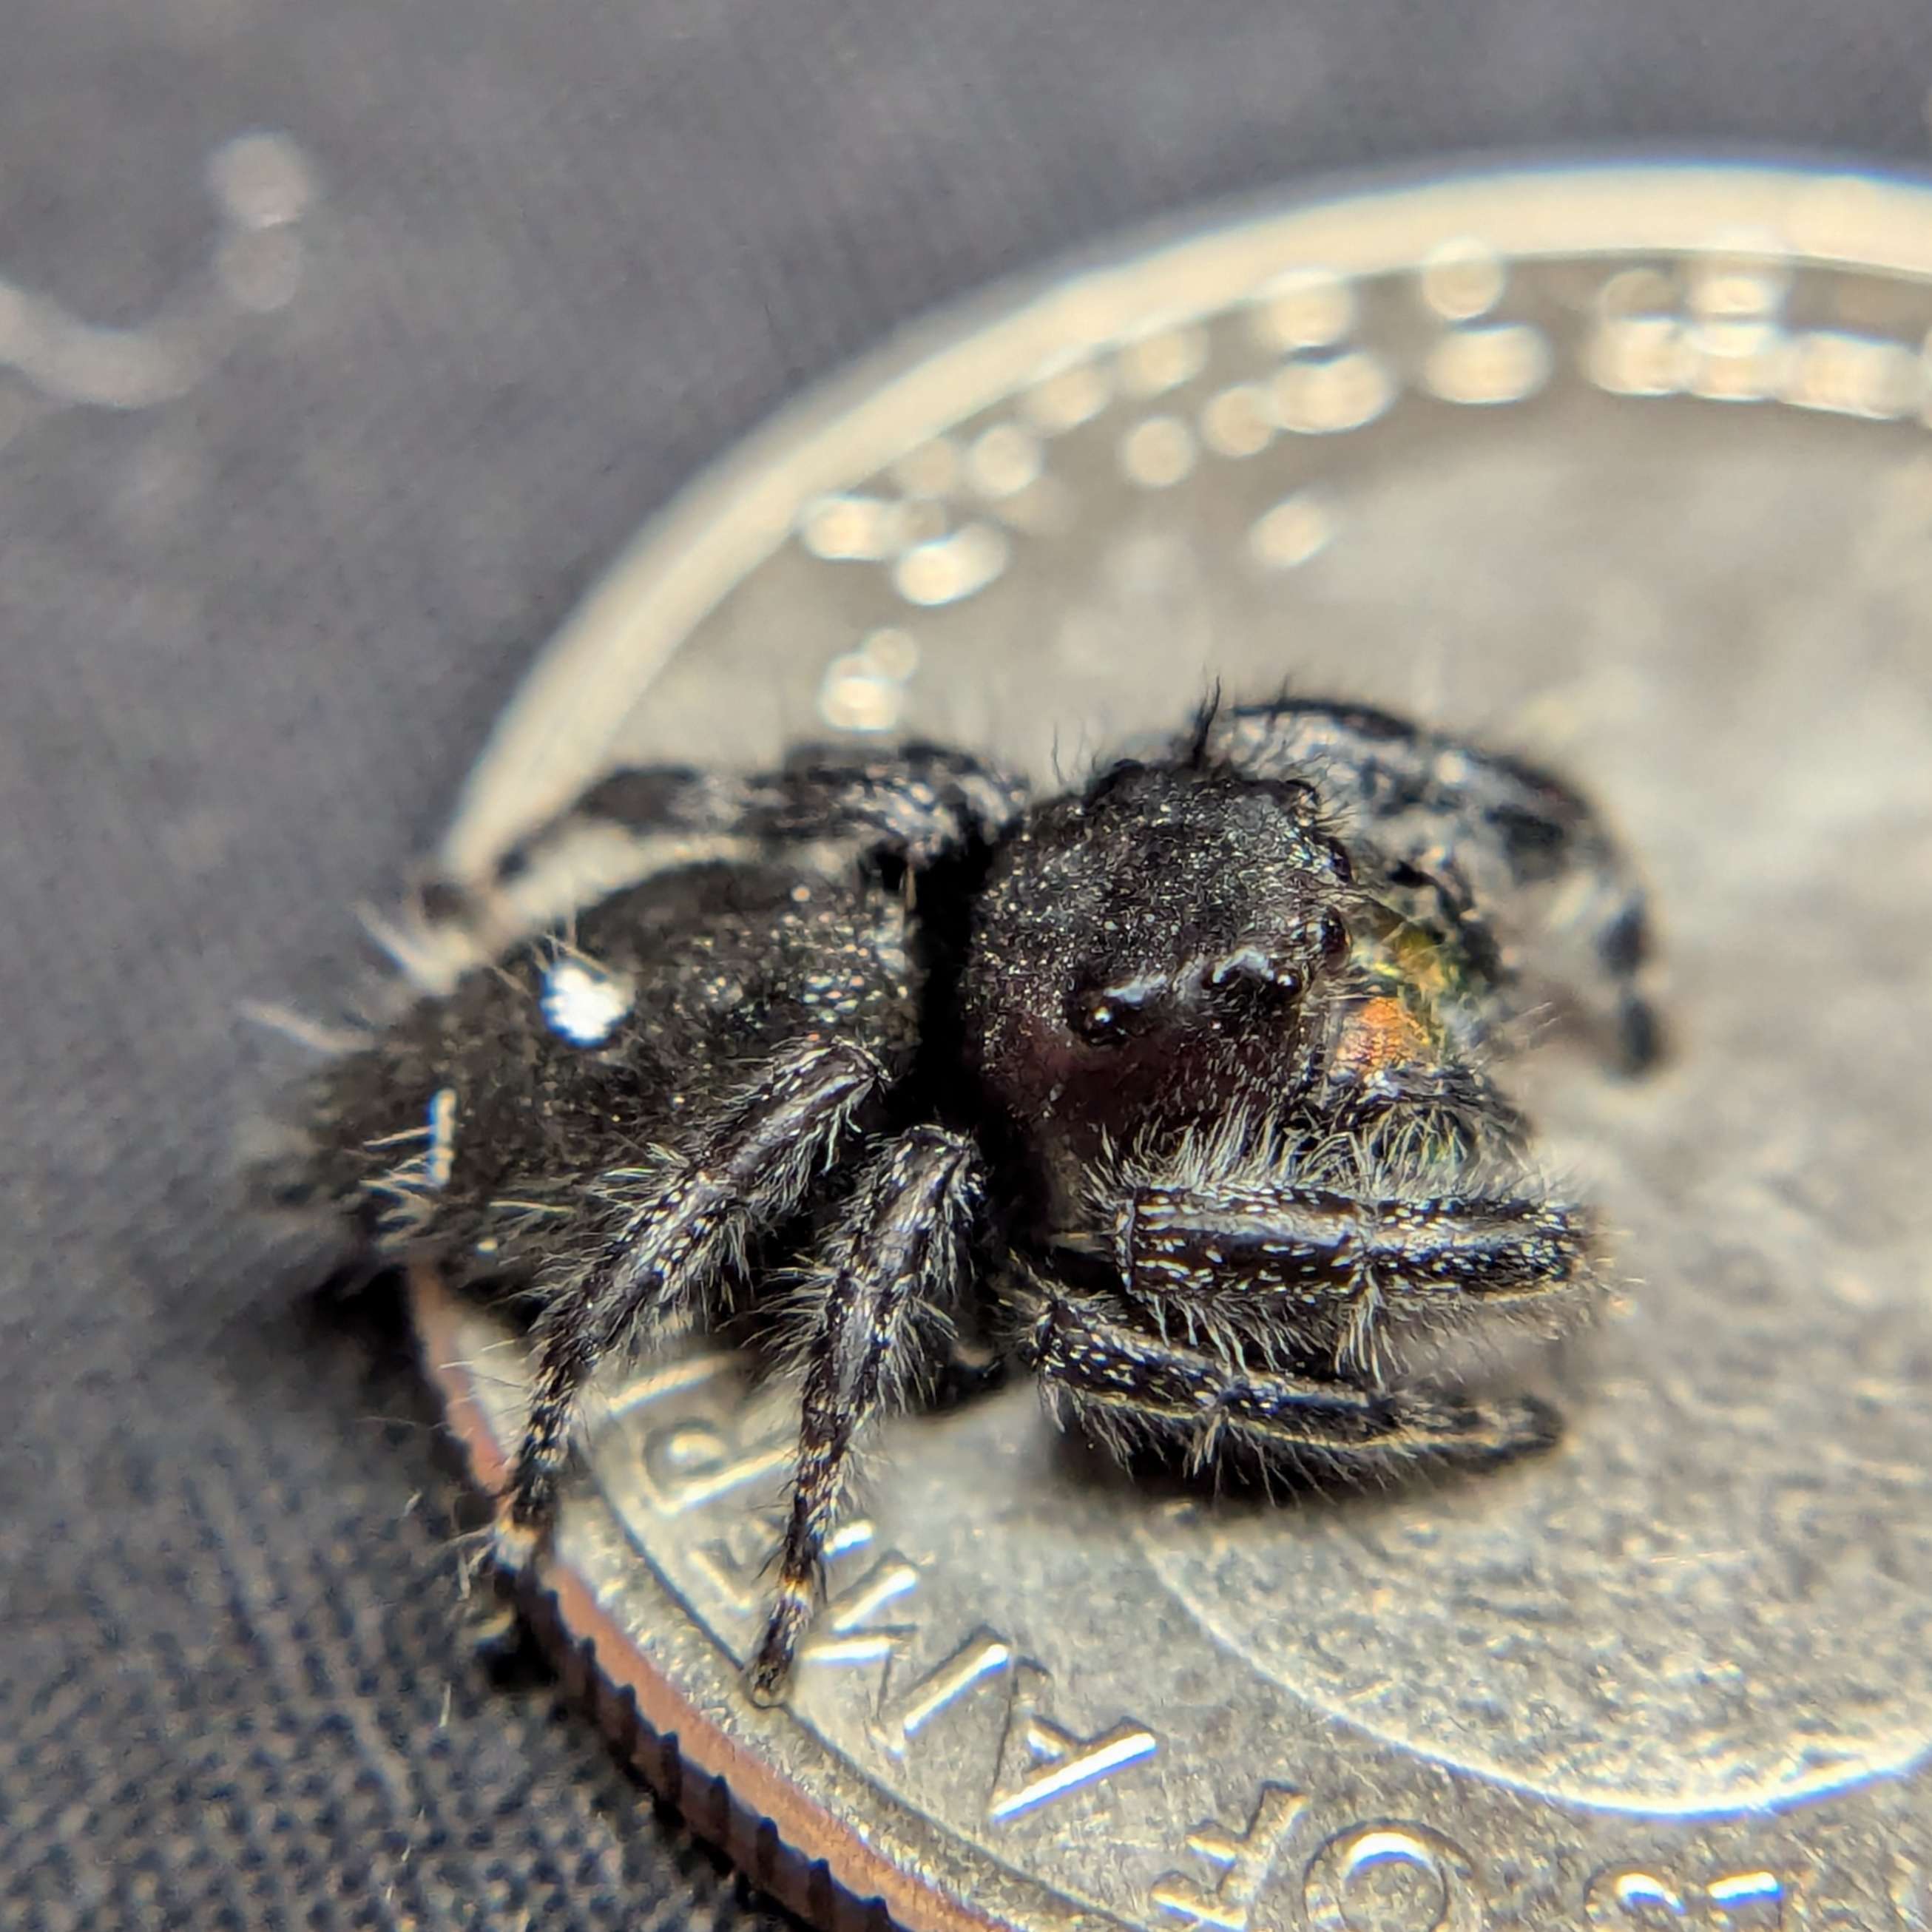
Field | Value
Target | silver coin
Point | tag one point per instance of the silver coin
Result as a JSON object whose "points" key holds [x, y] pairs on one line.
{"points": [[1626, 468]]}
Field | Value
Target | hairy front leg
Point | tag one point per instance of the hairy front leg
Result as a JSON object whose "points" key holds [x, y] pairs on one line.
{"points": [[1127, 1385], [1253, 1255], [1245, 1238]]}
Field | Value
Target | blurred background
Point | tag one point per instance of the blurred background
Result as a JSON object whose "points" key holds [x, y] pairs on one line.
{"points": [[340, 346]]}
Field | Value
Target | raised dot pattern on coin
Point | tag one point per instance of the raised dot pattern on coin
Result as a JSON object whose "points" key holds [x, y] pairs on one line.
{"points": [[1630, 470]]}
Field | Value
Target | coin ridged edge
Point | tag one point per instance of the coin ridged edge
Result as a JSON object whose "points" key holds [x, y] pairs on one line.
{"points": [[815, 1864], [942, 369]]}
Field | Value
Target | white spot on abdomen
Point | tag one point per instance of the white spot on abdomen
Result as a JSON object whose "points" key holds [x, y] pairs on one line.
{"points": [[583, 1002]]}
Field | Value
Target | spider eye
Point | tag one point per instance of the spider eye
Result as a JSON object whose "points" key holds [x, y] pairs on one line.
{"points": [[1098, 1017], [1332, 940], [1253, 976]]}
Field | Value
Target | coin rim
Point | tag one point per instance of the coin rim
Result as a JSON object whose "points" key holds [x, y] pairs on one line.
{"points": [[741, 508]]}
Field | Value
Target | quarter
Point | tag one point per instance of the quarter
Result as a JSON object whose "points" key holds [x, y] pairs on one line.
{"points": [[1628, 467]]}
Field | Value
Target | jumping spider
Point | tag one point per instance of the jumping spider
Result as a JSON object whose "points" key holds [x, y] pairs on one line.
{"points": [[1170, 1090]]}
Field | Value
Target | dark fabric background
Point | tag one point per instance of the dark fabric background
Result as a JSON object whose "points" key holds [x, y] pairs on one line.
{"points": [[561, 252]]}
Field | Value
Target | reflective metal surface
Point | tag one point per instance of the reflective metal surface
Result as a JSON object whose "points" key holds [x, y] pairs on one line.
{"points": [[1629, 470]]}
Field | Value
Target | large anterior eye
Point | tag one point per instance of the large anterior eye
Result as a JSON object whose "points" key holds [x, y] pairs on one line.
{"points": [[1095, 1019], [1331, 938]]}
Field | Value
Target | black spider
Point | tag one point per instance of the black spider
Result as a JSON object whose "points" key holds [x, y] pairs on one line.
{"points": [[1170, 1090]]}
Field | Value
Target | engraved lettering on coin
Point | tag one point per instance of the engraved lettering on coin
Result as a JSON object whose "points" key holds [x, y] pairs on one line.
{"points": [[1392, 1878], [1243, 1861], [1632, 1898], [985, 1656]]}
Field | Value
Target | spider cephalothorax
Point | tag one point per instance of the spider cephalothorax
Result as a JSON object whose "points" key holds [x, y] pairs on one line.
{"points": [[1173, 1088]]}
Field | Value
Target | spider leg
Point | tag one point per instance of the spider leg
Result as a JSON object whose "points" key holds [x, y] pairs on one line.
{"points": [[1245, 1253], [1125, 1384], [889, 1269], [921, 804], [1457, 827], [671, 1230]]}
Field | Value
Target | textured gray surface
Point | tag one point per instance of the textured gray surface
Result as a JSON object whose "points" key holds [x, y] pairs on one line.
{"points": [[253, 628]]}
